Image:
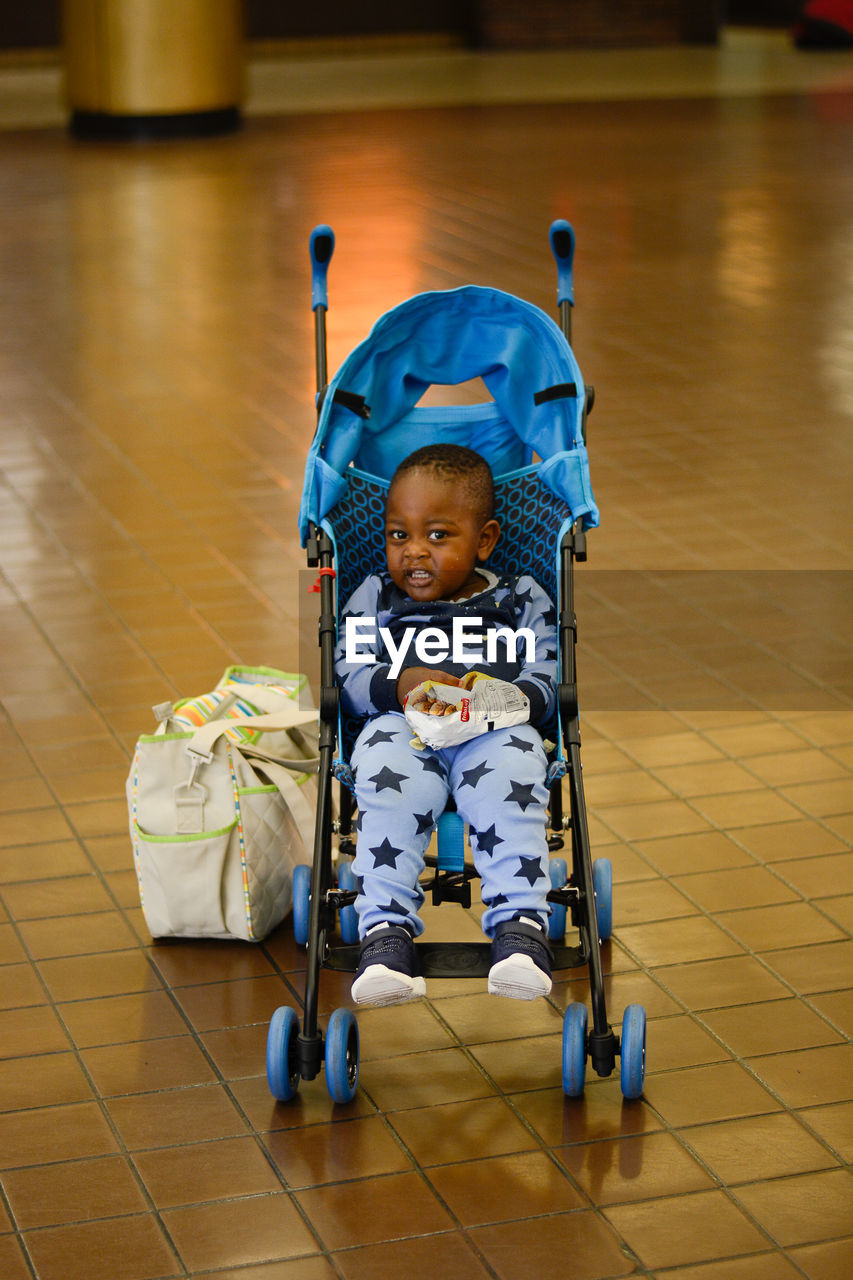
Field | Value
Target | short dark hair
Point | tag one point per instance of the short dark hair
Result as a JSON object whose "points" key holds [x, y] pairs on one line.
{"points": [[455, 462]]}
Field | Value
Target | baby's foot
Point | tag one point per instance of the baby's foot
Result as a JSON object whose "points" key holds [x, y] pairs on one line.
{"points": [[521, 960], [387, 968]]}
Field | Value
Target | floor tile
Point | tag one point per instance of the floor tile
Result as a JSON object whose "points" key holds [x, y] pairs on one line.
{"points": [[173, 1117], [834, 1123], [424, 1079], [720, 1091], [748, 886], [109, 973], [132, 1247], [372, 1211], [101, 931], [819, 877], [756, 1266], [768, 928], [809, 1076], [235, 1232], [147, 1065], [633, 1168], [680, 1042], [526, 1063], [213, 1170], [649, 900], [757, 1147], [448, 1255], [829, 1261], [804, 1208], [720, 983], [505, 1188], [345, 1149], [231, 1004], [32, 1030], [12, 1262], [690, 938], [821, 967], [783, 841], [72, 1191], [478, 1019], [690, 1228], [518, 1249], [41, 1080], [600, 1114], [314, 1267], [149, 1015], [441, 1135], [777, 1026], [312, 1105]]}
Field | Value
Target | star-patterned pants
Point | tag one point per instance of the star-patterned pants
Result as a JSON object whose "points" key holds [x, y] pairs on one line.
{"points": [[498, 784]]}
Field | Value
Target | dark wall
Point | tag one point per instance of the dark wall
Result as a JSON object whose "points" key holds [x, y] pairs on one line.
{"points": [[27, 24]]}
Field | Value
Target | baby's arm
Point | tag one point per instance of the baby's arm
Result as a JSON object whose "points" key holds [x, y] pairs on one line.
{"points": [[538, 678], [356, 678]]}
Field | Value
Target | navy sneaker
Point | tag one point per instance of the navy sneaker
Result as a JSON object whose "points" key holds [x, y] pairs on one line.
{"points": [[387, 968], [521, 960]]}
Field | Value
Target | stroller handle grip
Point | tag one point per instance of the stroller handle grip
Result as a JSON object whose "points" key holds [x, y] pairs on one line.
{"points": [[321, 246], [563, 248]]}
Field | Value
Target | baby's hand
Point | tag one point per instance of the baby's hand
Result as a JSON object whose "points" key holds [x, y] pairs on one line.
{"points": [[413, 676]]}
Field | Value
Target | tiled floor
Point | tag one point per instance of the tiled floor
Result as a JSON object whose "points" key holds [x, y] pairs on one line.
{"points": [[157, 383]]}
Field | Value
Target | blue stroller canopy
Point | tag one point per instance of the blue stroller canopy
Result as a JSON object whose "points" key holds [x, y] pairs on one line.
{"points": [[369, 416]]}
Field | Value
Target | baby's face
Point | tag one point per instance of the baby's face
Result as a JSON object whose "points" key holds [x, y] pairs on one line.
{"points": [[433, 540]]}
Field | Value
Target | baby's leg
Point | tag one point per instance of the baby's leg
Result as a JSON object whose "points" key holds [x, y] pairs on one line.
{"points": [[400, 794], [498, 782]]}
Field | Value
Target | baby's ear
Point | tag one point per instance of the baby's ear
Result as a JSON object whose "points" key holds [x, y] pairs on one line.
{"points": [[489, 535]]}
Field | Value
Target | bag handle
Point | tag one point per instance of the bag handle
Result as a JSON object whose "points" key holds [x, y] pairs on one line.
{"points": [[303, 814], [206, 735]]}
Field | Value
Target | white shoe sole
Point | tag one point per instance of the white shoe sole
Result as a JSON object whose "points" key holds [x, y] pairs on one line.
{"points": [[518, 978], [380, 985]]}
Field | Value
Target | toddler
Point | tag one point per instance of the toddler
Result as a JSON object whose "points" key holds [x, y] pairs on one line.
{"points": [[439, 532]]}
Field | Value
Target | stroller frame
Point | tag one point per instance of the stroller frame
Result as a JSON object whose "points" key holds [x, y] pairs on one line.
{"points": [[321, 898]]}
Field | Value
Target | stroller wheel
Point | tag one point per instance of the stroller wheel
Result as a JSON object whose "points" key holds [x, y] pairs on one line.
{"points": [[349, 915], [342, 1056], [633, 1051], [282, 1071], [602, 882], [301, 903], [559, 872], [574, 1050]]}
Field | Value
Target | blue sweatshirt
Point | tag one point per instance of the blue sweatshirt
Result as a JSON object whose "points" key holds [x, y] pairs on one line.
{"points": [[477, 630]]}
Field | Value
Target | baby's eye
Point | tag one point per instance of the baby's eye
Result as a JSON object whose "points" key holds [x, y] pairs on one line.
{"points": [[395, 535], [437, 535]]}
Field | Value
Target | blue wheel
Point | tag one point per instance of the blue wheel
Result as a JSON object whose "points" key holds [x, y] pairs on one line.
{"points": [[282, 1069], [348, 915], [633, 1051], [301, 903], [342, 1056], [602, 883], [559, 873], [574, 1050]]}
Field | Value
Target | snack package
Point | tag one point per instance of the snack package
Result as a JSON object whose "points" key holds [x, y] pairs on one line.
{"points": [[443, 715]]}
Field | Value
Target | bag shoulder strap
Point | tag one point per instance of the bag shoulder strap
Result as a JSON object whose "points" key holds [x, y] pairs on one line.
{"points": [[301, 811], [203, 738]]}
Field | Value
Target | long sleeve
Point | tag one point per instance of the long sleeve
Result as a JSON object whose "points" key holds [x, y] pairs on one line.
{"points": [[538, 676], [366, 688]]}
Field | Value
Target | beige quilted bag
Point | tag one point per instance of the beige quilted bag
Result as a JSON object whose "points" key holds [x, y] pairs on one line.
{"points": [[221, 803]]}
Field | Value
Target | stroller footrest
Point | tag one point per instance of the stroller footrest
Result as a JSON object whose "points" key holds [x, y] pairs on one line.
{"points": [[451, 959]]}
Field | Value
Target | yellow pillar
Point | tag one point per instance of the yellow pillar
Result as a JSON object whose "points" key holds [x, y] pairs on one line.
{"points": [[153, 67]]}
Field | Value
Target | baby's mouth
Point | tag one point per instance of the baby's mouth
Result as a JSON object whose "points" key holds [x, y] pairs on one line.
{"points": [[418, 577]]}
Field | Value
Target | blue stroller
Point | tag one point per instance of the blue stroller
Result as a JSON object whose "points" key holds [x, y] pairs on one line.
{"points": [[369, 420]]}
